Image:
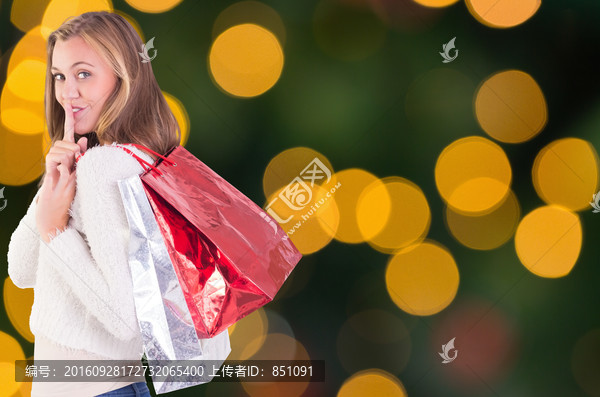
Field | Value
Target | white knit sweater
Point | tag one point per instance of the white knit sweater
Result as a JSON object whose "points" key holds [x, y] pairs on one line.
{"points": [[83, 296]]}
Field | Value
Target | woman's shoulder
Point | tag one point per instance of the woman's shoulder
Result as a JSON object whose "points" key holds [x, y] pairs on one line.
{"points": [[146, 155], [110, 162]]}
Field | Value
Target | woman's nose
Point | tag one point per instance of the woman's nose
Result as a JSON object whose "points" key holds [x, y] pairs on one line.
{"points": [[70, 89]]}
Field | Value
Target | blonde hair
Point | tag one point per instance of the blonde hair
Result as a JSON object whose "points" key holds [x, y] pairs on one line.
{"points": [[136, 111]]}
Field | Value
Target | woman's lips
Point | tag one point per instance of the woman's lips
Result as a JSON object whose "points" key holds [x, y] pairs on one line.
{"points": [[78, 113]]}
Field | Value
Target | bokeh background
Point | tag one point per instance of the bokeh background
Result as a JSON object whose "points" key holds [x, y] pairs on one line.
{"points": [[459, 192]]}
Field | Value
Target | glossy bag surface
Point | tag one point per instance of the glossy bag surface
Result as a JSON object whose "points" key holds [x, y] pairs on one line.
{"points": [[229, 255], [166, 326]]}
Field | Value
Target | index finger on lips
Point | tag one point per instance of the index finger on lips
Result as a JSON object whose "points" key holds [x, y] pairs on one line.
{"points": [[69, 131]]}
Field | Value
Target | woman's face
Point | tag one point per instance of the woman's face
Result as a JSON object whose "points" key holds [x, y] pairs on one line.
{"points": [[82, 79]]}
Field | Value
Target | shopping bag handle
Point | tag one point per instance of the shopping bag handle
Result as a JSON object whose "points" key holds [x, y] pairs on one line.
{"points": [[153, 152], [143, 162]]}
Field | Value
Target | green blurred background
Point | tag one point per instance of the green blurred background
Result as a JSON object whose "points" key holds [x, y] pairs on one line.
{"points": [[364, 85]]}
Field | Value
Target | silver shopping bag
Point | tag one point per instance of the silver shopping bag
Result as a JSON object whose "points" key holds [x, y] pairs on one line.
{"points": [[163, 315]]}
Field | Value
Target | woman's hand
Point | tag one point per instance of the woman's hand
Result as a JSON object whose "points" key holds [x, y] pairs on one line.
{"points": [[58, 189]]}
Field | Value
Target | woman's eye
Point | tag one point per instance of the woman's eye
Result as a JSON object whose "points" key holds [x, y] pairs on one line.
{"points": [[81, 75]]}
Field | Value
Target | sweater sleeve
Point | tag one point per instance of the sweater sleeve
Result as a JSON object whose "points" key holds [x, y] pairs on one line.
{"points": [[23, 249], [97, 271]]}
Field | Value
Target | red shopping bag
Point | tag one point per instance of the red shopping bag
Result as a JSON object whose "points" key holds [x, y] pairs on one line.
{"points": [[229, 255]]}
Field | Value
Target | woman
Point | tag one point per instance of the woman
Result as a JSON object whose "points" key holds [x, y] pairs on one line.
{"points": [[72, 245]]}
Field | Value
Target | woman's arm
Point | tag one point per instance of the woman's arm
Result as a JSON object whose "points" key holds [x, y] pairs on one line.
{"points": [[23, 249], [97, 271]]}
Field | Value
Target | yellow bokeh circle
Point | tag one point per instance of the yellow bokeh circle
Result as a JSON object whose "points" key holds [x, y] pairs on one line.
{"points": [[153, 6], [473, 175], [19, 115], [310, 218], [502, 13], [58, 11], [393, 214], [246, 60], [373, 209], [25, 16], [181, 116], [23, 159], [28, 80], [435, 3], [565, 172], [7, 379], [487, 231], [511, 107], [18, 303], [300, 188], [22, 101], [372, 383], [30, 46], [422, 279], [250, 11], [312, 167], [11, 351], [353, 182], [548, 241]]}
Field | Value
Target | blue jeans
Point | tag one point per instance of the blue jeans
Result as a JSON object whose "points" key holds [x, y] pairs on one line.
{"points": [[139, 389]]}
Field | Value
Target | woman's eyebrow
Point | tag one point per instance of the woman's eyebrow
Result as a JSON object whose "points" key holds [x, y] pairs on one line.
{"points": [[75, 64]]}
